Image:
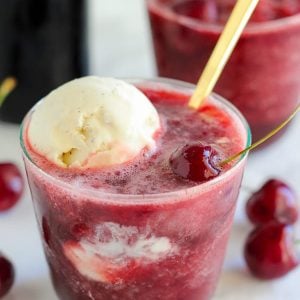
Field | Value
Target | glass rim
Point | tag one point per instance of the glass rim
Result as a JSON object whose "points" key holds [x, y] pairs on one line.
{"points": [[142, 199], [252, 28]]}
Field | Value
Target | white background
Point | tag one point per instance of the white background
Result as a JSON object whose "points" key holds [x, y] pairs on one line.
{"points": [[120, 46]]}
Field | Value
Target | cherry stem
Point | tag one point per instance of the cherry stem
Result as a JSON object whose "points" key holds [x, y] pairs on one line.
{"points": [[274, 131], [6, 87]]}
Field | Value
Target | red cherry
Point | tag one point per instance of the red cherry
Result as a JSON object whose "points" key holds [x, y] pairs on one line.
{"points": [[11, 185], [7, 275], [196, 162], [275, 201], [270, 251]]}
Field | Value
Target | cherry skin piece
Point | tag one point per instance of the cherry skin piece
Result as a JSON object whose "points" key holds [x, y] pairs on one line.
{"points": [[275, 201], [11, 185], [195, 162], [270, 251], [7, 275]]}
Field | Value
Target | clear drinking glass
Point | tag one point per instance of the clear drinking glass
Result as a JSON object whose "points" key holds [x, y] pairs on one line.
{"points": [[106, 246]]}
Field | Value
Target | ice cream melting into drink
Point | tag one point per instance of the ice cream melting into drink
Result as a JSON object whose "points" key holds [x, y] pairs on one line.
{"points": [[105, 259]]}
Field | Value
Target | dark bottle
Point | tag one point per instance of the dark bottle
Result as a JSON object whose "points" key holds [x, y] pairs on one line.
{"points": [[42, 44]]}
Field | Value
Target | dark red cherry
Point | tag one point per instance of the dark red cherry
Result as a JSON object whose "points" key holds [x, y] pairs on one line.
{"points": [[11, 185], [196, 162], [274, 201], [7, 275], [270, 251]]}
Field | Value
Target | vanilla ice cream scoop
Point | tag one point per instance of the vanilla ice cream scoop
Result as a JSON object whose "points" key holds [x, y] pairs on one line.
{"points": [[93, 122]]}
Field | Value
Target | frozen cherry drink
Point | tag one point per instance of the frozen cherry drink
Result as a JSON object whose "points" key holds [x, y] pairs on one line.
{"points": [[262, 77], [129, 195]]}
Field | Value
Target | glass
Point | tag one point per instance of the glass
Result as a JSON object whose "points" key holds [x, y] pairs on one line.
{"points": [[262, 77], [156, 246]]}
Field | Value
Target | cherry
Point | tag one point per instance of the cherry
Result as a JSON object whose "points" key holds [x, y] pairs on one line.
{"points": [[270, 251], [7, 275], [274, 201], [11, 185], [196, 162]]}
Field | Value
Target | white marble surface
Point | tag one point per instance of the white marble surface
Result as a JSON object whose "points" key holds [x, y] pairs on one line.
{"points": [[120, 46]]}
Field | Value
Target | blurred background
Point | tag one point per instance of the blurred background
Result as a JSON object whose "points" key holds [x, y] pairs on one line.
{"points": [[123, 31]]}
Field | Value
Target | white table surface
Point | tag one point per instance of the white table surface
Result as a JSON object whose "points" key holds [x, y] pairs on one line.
{"points": [[120, 46]]}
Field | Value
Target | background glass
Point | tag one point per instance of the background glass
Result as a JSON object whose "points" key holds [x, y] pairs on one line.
{"points": [[262, 77]]}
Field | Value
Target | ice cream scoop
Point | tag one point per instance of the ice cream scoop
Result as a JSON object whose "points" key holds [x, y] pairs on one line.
{"points": [[93, 122]]}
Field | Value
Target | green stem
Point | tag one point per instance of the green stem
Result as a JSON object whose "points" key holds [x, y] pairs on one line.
{"points": [[274, 131], [6, 87]]}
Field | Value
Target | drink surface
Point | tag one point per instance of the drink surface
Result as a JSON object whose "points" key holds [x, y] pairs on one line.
{"points": [[261, 74], [150, 173], [102, 248]]}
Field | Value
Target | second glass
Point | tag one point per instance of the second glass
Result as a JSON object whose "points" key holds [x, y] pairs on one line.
{"points": [[262, 77]]}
